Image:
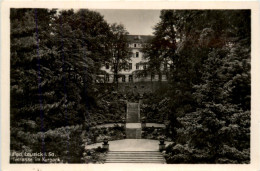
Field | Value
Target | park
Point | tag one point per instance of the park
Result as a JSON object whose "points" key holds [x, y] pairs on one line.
{"points": [[85, 90]]}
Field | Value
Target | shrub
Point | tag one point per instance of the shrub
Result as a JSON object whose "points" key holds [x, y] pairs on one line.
{"points": [[65, 143], [95, 155]]}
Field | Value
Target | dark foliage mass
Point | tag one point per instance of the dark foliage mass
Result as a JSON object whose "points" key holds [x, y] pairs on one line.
{"points": [[55, 58], [95, 155], [153, 133], [97, 135], [209, 96]]}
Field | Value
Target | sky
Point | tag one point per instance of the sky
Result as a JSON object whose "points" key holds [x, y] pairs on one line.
{"points": [[136, 22]]}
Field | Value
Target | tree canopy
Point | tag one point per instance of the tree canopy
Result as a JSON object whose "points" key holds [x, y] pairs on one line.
{"points": [[209, 54], [55, 58]]}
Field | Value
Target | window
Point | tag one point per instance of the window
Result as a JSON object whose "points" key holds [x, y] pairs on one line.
{"points": [[114, 65], [165, 66], [123, 78], [115, 79], [107, 65], [137, 66], [137, 54], [130, 78], [167, 76], [130, 66], [152, 76], [134, 45], [124, 66], [107, 78]]}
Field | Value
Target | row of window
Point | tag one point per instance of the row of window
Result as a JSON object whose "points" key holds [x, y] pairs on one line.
{"points": [[129, 66], [136, 45], [137, 66], [136, 54], [130, 78]]}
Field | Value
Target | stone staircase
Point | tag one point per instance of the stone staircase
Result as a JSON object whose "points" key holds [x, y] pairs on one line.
{"points": [[135, 157], [133, 113], [133, 125], [133, 131]]}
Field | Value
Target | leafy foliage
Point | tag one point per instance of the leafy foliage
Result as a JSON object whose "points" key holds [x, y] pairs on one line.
{"points": [[152, 133], [155, 110], [119, 49], [96, 135], [95, 155], [65, 142], [55, 57], [209, 84]]}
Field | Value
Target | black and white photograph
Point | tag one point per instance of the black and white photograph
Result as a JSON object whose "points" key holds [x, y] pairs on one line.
{"points": [[130, 86]]}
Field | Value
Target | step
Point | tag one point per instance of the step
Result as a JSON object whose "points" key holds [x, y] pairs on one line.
{"points": [[134, 157], [133, 108], [139, 155], [154, 162], [147, 158], [133, 113], [133, 125], [133, 160], [131, 154], [133, 133], [135, 152]]}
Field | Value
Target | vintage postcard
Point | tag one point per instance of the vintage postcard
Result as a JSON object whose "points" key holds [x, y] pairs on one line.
{"points": [[130, 85]]}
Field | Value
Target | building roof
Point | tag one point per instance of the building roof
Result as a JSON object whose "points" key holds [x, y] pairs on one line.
{"points": [[138, 38]]}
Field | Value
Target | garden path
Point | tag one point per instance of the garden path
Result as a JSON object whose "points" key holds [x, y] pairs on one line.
{"points": [[109, 125], [133, 125], [131, 145], [156, 125]]}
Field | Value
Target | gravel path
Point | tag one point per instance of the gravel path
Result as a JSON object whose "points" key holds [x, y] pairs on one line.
{"points": [[133, 125], [156, 125], [108, 125], [131, 145]]}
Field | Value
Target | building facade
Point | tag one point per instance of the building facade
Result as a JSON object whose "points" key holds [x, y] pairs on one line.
{"points": [[136, 63]]}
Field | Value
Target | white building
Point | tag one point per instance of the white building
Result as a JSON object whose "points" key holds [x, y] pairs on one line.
{"points": [[136, 63]]}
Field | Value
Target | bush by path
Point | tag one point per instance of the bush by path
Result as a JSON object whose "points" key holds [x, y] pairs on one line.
{"points": [[65, 143], [96, 135], [95, 155]]}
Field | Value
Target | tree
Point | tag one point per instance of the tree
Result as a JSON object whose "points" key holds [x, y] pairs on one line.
{"points": [[119, 49], [209, 84], [81, 39], [160, 50], [54, 60], [31, 72]]}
